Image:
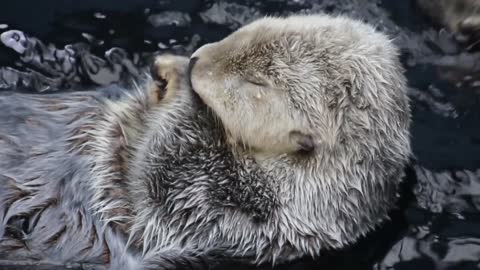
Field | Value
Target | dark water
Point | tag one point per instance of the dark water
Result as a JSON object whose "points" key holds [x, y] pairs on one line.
{"points": [[66, 45]]}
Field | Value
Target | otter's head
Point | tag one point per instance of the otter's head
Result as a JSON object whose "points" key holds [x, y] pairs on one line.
{"points": [[283, 85]]}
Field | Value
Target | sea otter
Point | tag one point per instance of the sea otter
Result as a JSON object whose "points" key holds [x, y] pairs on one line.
{"points": [[460, 16], [286, 138]]}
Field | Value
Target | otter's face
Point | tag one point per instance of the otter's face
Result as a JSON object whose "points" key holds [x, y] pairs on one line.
{"points": [[238, 78], [301, 83]]}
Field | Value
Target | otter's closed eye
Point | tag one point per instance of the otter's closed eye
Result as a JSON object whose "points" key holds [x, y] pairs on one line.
{"points": [[257, 81]]}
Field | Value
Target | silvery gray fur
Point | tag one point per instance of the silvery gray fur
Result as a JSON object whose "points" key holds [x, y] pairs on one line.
{"points": [[124, 179]]}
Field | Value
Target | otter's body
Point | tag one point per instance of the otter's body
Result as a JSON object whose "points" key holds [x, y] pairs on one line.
{"points": [[57, 196], [137, 181]]}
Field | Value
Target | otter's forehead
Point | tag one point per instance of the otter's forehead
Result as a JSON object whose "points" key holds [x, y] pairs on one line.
{"points": [[285, 42], [308, 27]]}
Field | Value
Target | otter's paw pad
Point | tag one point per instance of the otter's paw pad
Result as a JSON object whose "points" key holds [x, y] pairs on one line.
{"points": [[167, 71], [168, 67]]}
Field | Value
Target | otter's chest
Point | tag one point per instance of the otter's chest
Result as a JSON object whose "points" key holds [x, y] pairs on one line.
{"points": [[197, 163]]}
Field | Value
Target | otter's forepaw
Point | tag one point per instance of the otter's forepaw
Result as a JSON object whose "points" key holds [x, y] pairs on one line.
{"points": [[169, 73], [469, 29]]}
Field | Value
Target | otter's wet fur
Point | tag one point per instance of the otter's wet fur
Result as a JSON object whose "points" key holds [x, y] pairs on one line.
{"points": [[153, 180]]}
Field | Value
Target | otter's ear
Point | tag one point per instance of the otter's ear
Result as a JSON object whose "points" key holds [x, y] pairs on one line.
{"points": [[303, 142], [355, 93]]}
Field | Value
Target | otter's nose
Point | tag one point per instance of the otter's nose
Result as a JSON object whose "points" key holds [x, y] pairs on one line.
{"points": [[193, 60]]}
